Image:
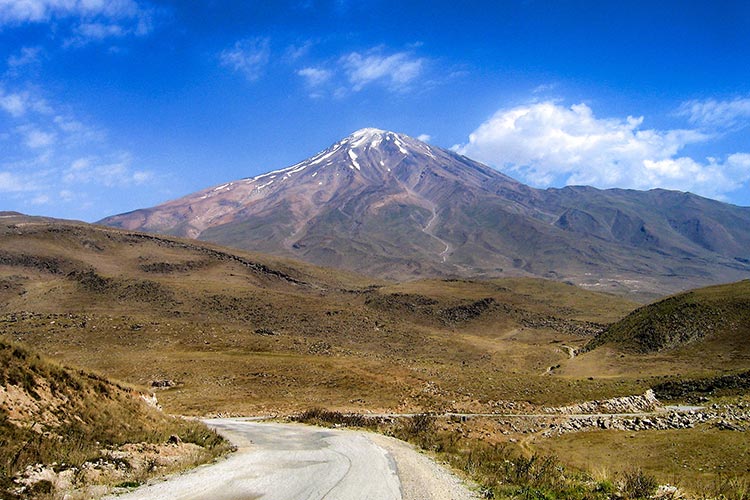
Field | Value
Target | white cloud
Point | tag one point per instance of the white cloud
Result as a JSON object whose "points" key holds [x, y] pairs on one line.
{"points": [[315, 76], [35, 138], [50, 157], [396, 71], [11, 182], [14, 104], [36, 11], [85, 20], [717, 114], [112, 172], [295, 52], [424, 137], [41, 199], [18, 104], [248, 56], [546, 143], [25, 57]]}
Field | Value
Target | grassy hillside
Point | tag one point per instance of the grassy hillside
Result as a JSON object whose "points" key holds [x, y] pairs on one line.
{"points": [[214, 330], [240, 332], [67, 428], [717, 314]]}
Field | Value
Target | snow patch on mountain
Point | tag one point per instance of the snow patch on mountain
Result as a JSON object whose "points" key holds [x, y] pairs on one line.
{"points": [[354, 157]]}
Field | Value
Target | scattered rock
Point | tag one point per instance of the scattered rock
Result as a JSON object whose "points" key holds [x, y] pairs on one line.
{"points": [[265, 331], [163, 384]]}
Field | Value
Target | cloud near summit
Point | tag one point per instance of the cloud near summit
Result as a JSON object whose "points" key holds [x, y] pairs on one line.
{"points": [[549, 144]]}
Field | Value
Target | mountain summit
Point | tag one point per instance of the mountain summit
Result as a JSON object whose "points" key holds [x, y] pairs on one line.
{"points": [[389, 205]]}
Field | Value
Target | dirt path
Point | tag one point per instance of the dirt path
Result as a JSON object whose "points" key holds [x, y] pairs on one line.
{"points": [[429, 228], [421, 478], [293, 461]]}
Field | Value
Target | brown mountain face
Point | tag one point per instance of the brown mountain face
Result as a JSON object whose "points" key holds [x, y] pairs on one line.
{"points": [[391, 206]]}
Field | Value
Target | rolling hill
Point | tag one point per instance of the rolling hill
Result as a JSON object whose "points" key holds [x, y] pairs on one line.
{"points": [[225, 330], [390, 206], [713, 315], [214, 330]]}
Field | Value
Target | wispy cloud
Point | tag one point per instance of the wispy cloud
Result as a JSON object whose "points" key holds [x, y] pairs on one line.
{"points": [[297, 51], [354, 71], [715, 114], [25, 57], [248, 56], [36, 138], [116, 171], [547, 143], [11, 182], [81, 21], [51, 156], [20, 11], [20, 103], [396, 71], [315, 76]]}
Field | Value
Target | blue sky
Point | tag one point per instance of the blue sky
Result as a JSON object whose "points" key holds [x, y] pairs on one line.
{"points": [[109, 106]]}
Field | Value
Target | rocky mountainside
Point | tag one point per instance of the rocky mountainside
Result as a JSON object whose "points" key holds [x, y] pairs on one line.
{"points": [[391, 206]]}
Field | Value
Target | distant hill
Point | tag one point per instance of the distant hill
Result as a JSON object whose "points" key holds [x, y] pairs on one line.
{"points": [[719, 315], [390, 206]]}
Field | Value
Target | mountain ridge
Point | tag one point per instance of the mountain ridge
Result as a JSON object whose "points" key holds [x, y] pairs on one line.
{"points": [[391, 206]]}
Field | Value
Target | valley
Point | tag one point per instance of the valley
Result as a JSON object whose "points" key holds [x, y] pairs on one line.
{"points": [[220, 332], [374, 250]]}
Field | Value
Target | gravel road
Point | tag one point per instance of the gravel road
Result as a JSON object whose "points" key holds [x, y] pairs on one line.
{"points": [[296, 462]]}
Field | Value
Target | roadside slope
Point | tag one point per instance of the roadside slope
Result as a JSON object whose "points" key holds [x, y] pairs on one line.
{"points": [[63, 429]]}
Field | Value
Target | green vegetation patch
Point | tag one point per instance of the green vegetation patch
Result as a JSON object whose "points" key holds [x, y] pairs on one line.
{"points": [[713, 312]]}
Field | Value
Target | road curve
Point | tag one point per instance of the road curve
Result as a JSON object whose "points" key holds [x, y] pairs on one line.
{"points": [[294, 462]]}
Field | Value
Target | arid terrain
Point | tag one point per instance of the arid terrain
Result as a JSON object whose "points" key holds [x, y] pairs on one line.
{"points": [[219, 332]]}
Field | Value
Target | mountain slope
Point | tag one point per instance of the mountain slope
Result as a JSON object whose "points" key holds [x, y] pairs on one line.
{"points": [[388, 205]]}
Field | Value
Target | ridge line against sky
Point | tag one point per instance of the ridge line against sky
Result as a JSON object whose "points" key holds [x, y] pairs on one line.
{"points": [[109, 106]]}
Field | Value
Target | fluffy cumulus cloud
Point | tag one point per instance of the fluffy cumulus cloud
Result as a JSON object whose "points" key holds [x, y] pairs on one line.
{"points": [[715, 114], [11, 182], [248, 56], [550, 144], [19, 103], [396, 71]]}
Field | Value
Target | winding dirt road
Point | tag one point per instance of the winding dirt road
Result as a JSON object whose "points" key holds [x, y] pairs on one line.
{"points": [[295, 462]]}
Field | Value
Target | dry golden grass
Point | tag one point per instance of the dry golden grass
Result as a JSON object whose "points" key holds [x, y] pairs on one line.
{"points": [[241, 333], [695, 459]]}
